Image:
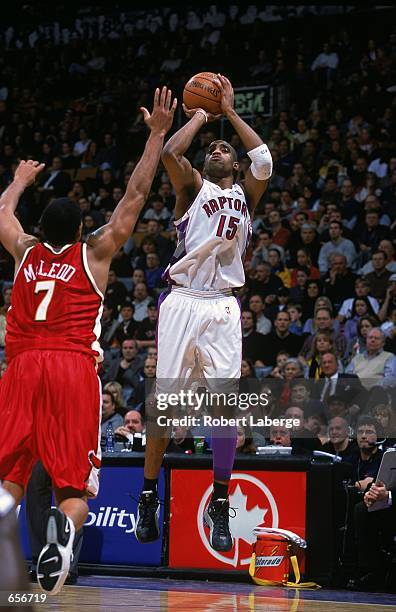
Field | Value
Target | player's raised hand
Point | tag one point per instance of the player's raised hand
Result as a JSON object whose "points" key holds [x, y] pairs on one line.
{"points": [[227, 94], [190, 112], [27, 171], [161, 118]]}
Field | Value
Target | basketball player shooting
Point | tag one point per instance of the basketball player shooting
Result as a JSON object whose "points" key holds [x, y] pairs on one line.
{"points": [[50, 400], [199, 320]]}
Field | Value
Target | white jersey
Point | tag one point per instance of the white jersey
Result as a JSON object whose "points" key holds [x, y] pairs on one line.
{"points": [[212, 239]]}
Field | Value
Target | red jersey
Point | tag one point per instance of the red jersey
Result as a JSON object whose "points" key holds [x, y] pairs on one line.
{"points": [[55, 303]]}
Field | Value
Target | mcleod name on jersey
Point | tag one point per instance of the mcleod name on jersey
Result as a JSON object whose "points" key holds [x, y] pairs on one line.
{"points": [[212, 239], [55, 303]]}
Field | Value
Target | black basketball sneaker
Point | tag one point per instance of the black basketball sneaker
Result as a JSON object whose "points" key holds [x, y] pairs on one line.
{"points": [[54, 561], [147, 527], [216, 517]]}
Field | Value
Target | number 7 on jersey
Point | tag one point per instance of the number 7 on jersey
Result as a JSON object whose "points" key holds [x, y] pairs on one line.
{"points": [[48, 286]]}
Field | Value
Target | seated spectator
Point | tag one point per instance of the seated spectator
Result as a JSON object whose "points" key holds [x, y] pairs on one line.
{"points": [[54, 182], [372, 232], [182, 441], [310, 325], [264, 282], [313, 290], [292, 369], [132, 424], [244, 444], [339, 438], [365, 324], [300, 395], [362, 290], [153, 271], [388, 327], [252, 341], [367, 459], [157, 211], [324, 321], [256, 305], [140, 302], [280, 435], [295, 312], [278, 268], [281, 359], [337, 244], [116, 292], [309, 241], [323, 343], [124, 368], [374, 364], [390, 298], [128, 327], [386, 418], [280, 235], [298, 291], [248, 382], [303, 261], [280, 339], [378, 279], [338, 283], [146, 332], [361, 307], [147, 246], [109, 327], [374, 531], [164, 247], [115, 388], [386, 247], [346, 386], [303, 440], [262, 246], [109, 414], [317, 424]]}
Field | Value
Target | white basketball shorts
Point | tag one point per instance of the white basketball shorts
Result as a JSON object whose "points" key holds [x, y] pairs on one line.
{"points": [[199, 331]]}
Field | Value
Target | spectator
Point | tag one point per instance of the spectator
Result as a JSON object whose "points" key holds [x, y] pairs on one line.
{"points": [[146, 332], [141, 300], [277, 266], [256, 305], [157, 211], [365, 324], [115, 292], [339, 281], [124, 368], [337, 245], [303, 440], [362, 290], [115, 388], [109, 326], [390, 298], [374, 364], [340, 443], [386, 418], [323, 321], [182, 441], [252, 341], [295, 312], [304, 262], [378, 279], [300, 395], [367, 459], [264, 282], [109, 414], [244, 442], [387, 247], [133, 423], [280, 339], [280, 235], [346, 386], [153, 271], [128, 326], [361, 307]]}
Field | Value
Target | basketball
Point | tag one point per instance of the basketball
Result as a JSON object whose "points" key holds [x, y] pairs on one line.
{"points": [[201, 91]]}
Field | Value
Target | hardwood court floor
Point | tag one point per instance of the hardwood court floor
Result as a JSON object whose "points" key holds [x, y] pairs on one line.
{"points": [[104, 594]]}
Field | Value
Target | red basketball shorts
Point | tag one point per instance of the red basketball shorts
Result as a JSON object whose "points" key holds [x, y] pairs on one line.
{"points": [[50, 409]]}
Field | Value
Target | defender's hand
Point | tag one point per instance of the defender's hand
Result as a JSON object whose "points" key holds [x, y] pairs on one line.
{"points": [[227, 94], [160, 120], [190, 112], [27, 172]]}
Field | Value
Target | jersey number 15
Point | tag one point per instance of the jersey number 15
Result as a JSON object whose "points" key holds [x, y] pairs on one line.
{"points": [[232, 227]]}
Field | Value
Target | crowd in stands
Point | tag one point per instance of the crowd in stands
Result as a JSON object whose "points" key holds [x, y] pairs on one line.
{"points": [[319, 303]]}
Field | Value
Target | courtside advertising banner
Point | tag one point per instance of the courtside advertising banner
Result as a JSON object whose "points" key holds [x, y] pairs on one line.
{"points": [[269, 499], [109, 531]]}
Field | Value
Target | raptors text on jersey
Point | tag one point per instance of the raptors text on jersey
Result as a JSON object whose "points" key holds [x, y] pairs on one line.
{"points": [[212, 239], [55, 303]]}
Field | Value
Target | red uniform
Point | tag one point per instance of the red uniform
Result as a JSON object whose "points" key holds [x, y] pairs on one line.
{"points": [[50, 394]]}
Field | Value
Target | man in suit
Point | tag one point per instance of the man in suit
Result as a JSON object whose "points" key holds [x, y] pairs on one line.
{"points": [[373, 532], [346, 386], [54, 182]]}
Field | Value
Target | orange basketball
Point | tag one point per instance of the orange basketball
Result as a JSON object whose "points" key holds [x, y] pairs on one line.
{"points": [[201, 91]]}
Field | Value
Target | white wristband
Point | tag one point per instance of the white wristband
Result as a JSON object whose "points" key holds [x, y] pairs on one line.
{"points": [[204, 113]]}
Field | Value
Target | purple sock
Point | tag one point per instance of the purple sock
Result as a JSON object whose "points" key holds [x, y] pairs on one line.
{"points": [[224, 448]]}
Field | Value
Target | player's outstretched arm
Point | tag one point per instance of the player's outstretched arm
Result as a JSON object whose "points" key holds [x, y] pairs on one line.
{"points": [[108, 239], [12, 235], [185, 179], [259, 173]]}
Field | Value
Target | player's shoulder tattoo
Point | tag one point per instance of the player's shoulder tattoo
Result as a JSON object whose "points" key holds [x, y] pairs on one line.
{"points": [[95, 236]]}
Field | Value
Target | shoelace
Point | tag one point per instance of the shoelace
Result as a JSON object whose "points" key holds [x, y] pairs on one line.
{"points": [[224, 514], [148, 508]]}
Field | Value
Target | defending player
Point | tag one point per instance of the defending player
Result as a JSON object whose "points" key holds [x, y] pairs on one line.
{"points": [[199, 321], [50, 394]]}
